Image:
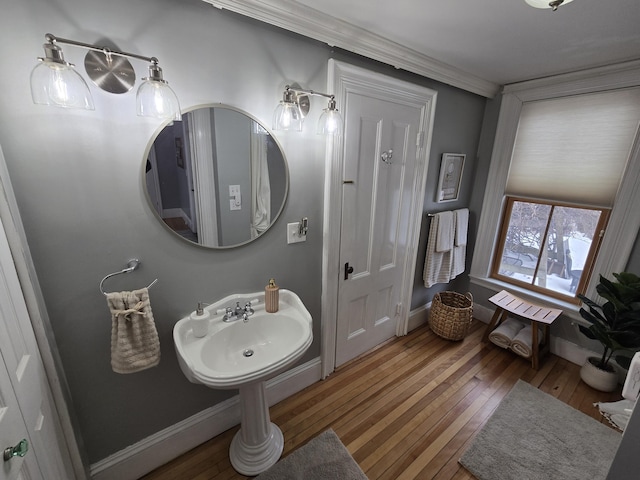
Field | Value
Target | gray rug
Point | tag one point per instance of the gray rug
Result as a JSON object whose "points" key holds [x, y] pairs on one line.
{"points": [[532, 435], [323, 458]]}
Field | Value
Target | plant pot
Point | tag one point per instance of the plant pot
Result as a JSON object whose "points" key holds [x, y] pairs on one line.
{"points": [[603, 380]]}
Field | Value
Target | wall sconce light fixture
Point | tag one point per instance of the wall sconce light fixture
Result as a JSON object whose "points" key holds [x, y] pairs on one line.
{"points": [[56, 82], [294, 106]]}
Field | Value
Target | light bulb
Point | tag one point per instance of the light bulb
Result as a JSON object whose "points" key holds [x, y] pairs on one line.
{"points": [[155, 98], [330, 122], [287, 116], [55, 82]]}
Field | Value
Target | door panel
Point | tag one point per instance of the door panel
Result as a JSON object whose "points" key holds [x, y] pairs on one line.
{"points": [[375, 211], [20, 394], [12, 427]]}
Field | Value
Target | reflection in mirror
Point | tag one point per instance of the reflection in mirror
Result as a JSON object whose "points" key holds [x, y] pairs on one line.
{"points": [[217, 178]]}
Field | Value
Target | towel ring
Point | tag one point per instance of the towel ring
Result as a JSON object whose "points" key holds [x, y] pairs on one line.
{"points": [[131, 266]]}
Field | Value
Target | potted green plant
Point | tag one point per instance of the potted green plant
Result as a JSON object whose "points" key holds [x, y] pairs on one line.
{"points": [[615, 324]]}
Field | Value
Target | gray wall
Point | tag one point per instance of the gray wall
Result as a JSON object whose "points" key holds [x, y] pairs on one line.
{"points": [[78, 177], [233, 161]]}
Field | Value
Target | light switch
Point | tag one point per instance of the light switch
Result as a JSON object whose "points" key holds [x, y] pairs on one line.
{"points": [[293, 233], [235, 200]]}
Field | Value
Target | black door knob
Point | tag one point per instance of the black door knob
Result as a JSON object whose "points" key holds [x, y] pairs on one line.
{"points": [[348, 269]]}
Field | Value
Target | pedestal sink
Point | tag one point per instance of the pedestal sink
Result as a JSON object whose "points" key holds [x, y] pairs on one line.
{"points": [[243, 355]]}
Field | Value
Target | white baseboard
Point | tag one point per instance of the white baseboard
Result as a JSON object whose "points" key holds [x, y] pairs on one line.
{"points": [[481, 313], [419, 316], [154, 451]]}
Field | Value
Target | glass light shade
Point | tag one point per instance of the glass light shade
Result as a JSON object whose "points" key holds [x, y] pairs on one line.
{"points": [[155, 98], [330, 122], [287, 116], [60, 85], [544, 3]]}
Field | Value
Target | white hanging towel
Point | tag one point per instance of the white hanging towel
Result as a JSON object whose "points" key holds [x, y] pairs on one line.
{"points": [[445, 232], [437, 265], [135, 344], [462, 225], [460, 221]]}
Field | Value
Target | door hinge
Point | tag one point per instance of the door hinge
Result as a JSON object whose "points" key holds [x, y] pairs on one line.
{"points": [[420, 140], [398, 309]]}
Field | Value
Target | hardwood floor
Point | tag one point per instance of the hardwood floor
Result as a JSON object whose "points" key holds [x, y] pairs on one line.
{"points": [[406, 410]]}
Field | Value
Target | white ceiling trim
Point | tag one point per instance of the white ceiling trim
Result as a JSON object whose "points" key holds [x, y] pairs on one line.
{"points": [[298, 18]]}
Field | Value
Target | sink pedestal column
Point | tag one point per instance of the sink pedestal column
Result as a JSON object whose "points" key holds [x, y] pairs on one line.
{"points": [[259, 443]]}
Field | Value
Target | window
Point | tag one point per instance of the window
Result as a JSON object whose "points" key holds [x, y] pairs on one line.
{"points": [[569, 149], [565, 167], [548, 247]]}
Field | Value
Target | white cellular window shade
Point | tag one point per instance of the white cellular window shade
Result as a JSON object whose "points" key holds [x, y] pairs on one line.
{"points": [[574, 149]]}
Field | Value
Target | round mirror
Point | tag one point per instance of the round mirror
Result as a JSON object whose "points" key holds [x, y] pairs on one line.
{"points": [[216, 178]]}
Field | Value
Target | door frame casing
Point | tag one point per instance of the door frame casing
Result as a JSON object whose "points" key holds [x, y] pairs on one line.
{"points": [[342, 80]]}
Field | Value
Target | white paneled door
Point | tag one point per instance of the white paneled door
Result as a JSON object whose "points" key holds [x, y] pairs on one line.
{"points": [[27, 418], [380, 170], [12, 429]]}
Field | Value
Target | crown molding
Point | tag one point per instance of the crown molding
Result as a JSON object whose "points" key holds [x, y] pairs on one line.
{"points": [[607, 77], [298, 18]]}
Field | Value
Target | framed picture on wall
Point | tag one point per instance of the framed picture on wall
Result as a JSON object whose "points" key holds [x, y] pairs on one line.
{"points": [[179, 152], [450, 177]]}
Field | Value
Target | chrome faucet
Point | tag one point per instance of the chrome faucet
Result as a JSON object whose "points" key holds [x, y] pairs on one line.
{"points": [[228, 315], [238, 313]]}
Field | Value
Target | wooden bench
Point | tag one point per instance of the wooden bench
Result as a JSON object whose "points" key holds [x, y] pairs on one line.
{"points": [[539, 316]]}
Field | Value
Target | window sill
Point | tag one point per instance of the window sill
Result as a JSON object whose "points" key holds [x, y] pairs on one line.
{"points": [[569, 310]]}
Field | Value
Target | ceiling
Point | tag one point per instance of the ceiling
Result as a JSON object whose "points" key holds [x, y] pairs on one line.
{"points": [[500, 41]]}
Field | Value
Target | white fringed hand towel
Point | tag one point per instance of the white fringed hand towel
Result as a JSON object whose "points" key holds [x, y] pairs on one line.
{"points": [[521, 343], [135, 344], [437, 265], [506, 332]]}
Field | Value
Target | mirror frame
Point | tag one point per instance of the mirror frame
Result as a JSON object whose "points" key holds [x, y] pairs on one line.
{"points": [[155, 213]]}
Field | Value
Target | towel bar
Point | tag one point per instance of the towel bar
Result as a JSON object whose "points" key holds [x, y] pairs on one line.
{"points": [[131, 266]]}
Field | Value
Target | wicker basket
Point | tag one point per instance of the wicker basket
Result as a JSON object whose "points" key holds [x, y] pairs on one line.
{"points": [[451, 314]]}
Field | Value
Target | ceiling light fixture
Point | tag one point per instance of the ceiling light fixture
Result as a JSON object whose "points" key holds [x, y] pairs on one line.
{"points": [[553, 4], [56, 82], [295, 105]]}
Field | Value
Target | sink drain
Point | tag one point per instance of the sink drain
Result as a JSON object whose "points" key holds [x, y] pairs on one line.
{"points": [[248, 352]]}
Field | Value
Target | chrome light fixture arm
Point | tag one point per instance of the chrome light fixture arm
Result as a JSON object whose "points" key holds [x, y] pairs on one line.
{"points": [[52, 40], [309, 92]]}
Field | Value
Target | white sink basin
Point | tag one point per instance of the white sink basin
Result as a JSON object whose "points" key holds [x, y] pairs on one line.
{"points": [[237, 353], [243, 355]]}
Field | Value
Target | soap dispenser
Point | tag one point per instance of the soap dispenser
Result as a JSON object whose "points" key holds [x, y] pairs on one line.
{"points": [[271, 297], [200, 321]]}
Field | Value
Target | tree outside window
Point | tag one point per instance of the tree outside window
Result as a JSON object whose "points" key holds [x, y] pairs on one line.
{"points": [[547, 246]]}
